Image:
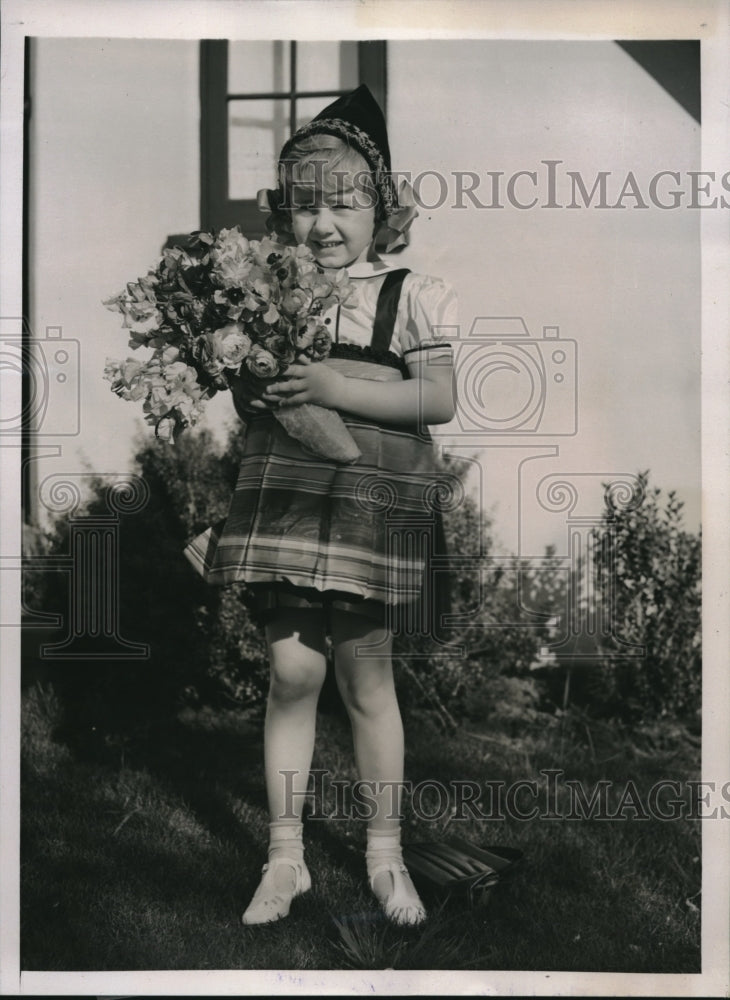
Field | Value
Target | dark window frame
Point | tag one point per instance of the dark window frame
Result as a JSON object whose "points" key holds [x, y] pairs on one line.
{"points": [[217, 210]]}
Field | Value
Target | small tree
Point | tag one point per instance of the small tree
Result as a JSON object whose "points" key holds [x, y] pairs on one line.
{"points": [[649, 566]]}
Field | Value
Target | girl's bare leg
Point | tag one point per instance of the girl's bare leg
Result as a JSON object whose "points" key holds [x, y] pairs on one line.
{"points": [[365, 681], [298, 664], [297, 661]]}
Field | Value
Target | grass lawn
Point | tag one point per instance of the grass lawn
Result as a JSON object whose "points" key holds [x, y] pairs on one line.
{"points": [[142, 852]]}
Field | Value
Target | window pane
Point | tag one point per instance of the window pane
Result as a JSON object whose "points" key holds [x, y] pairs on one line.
{"points": [[258, 67], [256, 132], [327, 66], [308, 107], [257, 129]]}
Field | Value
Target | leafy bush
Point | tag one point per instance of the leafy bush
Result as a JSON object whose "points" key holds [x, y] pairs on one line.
{"points": [[649, 569], [203, 647], [647, 585], [645, 594]]}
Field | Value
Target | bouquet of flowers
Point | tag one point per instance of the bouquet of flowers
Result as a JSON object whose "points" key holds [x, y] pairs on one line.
{"points": [[225, 308]]}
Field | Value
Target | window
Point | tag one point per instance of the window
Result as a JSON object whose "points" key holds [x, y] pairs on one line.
{"points": [[254, 94]]}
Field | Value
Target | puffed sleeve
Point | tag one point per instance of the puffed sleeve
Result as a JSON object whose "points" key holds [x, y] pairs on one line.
{"points": [[427, 319]]}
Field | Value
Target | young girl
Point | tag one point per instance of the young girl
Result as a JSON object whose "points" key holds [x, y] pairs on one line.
{"points": [[317, 542]]}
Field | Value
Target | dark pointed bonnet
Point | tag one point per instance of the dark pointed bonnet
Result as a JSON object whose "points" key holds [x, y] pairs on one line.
{"points": [[356, 118]]}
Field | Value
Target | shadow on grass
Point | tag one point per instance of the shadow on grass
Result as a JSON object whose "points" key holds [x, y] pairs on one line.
{"points": [[144, 831]]}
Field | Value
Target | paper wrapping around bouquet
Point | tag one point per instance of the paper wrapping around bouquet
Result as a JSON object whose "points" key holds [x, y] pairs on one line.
{"points": [[319, 430]]}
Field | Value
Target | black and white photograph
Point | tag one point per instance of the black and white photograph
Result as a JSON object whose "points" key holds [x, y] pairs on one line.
{"points": [[364, 550]]}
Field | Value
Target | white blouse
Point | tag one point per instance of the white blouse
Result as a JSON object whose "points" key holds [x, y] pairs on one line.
{"points": [[427, 312]]}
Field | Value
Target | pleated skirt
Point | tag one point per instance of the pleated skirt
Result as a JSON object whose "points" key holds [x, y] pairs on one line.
{"points": [[304, 531]]}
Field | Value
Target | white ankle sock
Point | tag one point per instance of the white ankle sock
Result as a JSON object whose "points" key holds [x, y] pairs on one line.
{"points": [[285, 840], [382, 845]]}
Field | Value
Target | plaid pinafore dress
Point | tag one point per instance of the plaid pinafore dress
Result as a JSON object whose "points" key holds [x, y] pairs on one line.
{"points": [[303, 531]]}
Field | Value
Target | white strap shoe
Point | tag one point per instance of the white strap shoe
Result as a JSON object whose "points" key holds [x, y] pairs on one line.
{"points": [[403, 904], [271, 903]]}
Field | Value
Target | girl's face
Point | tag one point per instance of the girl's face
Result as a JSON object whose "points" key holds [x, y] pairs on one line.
{"points": [[335, 220]]}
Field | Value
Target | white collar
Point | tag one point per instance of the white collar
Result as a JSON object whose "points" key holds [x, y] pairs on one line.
{"points": [[370, 268]]}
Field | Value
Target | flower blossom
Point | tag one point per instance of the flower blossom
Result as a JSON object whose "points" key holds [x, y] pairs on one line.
{"points": [[231, 258], [262, 363]]}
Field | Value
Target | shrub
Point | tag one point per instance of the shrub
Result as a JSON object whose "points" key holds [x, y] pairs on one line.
{"points": [[649, 569], [202, 645]]}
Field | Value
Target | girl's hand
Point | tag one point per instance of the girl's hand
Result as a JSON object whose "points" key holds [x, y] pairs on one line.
{"points": [[306, 381], [248, 396]]}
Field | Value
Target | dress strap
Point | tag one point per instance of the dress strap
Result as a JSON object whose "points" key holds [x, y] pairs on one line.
{"points": [[387, 309]]}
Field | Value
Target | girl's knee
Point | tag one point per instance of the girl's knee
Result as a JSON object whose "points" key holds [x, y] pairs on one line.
{"points": [[294, 681], [367, 689], [297, 661]]}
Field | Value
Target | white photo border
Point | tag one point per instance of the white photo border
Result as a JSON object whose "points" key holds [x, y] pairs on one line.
{"points": [[565, 19]]}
